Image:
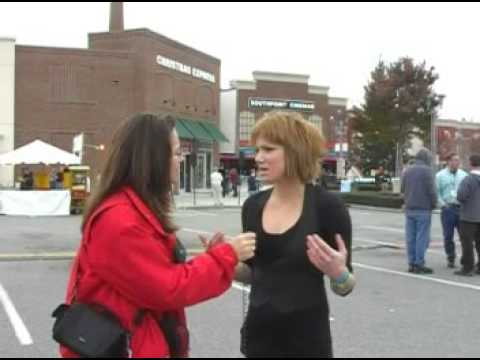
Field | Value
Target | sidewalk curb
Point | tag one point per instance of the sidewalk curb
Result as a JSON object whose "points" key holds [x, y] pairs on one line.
{"points": [[353, 207], [375, 209], [38, 257], [380, 209], [60, 256], [209, 207]]}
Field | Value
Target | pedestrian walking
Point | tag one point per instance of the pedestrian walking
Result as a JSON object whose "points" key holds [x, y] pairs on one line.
{"points": [[234, 178], [253, 185], [217, 181]]}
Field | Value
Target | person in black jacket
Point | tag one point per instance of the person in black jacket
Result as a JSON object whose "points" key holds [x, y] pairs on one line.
{"points": [[304, 234], [469, 198]]}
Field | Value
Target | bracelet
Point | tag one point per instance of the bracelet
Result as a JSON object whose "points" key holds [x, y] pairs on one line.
{"points": [[345, 288], [342, 279]]}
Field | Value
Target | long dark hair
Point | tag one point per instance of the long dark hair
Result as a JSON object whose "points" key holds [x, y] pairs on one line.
{"points": [[140, 157]]}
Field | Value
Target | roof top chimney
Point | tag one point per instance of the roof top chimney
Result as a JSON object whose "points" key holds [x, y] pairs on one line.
{"points": [[116, 17]]}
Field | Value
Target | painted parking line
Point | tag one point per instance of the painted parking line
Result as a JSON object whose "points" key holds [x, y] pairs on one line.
{"points": [[61, 255], [393, 244], [438, 243], [457, 284], [193, 213], [417, 277], [18, 325], [379, 269], [231, 211], [362, 240], [362, 213], [239, 286], [196, 232], [386, 229]]}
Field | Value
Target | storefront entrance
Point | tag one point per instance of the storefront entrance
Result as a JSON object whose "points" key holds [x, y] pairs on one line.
{"points": [[198, 176]]}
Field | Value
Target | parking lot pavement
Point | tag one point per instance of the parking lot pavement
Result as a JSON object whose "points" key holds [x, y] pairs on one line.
{"points": [[391, 313]]}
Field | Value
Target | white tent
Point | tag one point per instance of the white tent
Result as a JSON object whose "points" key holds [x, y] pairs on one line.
{"points": [[39, 152]]}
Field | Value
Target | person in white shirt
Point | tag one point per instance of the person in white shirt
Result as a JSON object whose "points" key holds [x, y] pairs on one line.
{"points": [[448, 182], [354, 173], [217, 180]]}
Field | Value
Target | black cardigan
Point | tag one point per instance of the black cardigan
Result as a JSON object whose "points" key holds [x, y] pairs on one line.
{"points": [[292, 283]]}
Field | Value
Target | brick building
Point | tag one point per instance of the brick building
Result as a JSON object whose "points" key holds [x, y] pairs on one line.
{"points": [[247, 101], [59, 93], [459, 137]]}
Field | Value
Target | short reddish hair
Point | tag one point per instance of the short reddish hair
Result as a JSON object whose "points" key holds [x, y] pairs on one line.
{"points": [[304, 143]]}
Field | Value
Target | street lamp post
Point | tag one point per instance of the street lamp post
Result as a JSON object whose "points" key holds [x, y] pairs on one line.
{"points": [[90, 146], [433, 131], [95, 147], [398, 155], [79, 146], [194, 160], [340, 128]]}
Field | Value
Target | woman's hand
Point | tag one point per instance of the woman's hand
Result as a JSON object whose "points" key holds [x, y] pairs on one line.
{"points": [[244, 246], [331, 262], [217, 239]]}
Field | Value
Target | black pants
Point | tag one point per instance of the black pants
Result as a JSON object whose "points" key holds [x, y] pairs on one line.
{"points": [[470, 234]]}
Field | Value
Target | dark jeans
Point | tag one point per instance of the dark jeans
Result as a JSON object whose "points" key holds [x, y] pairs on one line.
{"points": [[450, 222], [470, 235]]}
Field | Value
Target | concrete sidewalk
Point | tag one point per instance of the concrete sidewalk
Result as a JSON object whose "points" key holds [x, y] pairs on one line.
{"points": [[205, 200]]}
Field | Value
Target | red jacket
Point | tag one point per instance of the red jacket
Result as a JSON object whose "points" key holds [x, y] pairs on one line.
{"points": [[127, 265]]}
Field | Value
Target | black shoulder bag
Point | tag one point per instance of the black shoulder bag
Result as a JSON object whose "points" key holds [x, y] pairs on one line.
{"points": [[92, 331]]}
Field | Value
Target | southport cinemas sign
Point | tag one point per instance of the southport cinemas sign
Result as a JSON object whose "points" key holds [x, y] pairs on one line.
{"points": [[296, 105], [185, 69]]}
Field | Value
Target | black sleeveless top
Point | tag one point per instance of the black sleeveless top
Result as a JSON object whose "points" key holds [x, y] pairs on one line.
{"points": [[289, 312]]}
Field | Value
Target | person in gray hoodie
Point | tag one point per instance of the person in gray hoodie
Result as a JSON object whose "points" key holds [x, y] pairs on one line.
{"points": [[469, 198], [418, 188]]}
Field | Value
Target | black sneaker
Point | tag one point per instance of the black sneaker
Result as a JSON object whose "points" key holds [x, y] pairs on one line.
{"points": [[451, 265], [464, 273], [477, 272], [423, 270], [412, 269]]}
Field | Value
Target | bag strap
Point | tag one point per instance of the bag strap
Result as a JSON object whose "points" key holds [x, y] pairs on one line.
{"points": [[73, 286], [76, 275], [76, 269]]}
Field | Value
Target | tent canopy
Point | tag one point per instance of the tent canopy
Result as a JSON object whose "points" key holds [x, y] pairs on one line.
{"points": [[39, 152]]}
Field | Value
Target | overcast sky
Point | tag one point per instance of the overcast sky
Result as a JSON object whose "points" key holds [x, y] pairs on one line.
{"points": [[338, 44]]}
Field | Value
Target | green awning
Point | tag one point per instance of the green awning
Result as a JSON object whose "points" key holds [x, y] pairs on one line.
{"points": [[197, 130], [215, 132], [182, 131]]}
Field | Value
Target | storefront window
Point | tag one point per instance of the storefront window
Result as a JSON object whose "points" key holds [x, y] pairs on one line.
{"points": [[247, 123], [200, 175], [182, 175], [317, 121], [209, 170]]}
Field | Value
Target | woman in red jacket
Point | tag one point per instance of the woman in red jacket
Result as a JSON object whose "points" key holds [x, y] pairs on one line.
{"points": [[127, 262]]}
